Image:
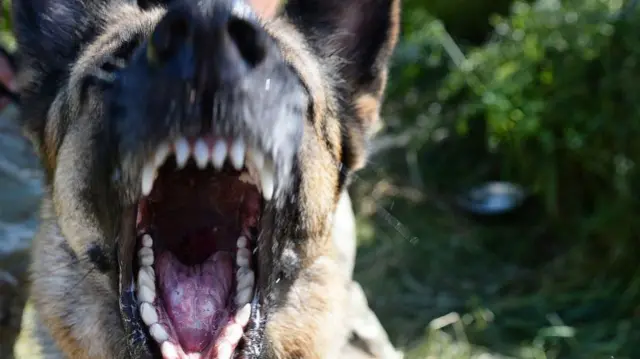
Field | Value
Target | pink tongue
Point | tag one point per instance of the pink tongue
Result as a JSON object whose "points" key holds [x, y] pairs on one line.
{"points": [[196, 297]]}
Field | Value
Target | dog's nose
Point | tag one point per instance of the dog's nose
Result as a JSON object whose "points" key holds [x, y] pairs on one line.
{"points": [[225, 48]]}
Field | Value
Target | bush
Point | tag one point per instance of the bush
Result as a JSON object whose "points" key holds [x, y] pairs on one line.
{"points": [[549, 102], [558, 90]]}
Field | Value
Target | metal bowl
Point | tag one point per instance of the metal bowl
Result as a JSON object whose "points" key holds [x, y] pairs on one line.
{"points": [[492, 198]]}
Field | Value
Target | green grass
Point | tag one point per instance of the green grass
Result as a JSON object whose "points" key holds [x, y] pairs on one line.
{"points": [[445, 286]]}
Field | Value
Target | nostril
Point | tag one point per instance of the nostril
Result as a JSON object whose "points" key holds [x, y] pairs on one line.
{"points": [[249, 41], [170, 33]]}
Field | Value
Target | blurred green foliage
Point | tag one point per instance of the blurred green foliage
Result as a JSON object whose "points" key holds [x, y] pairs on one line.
{"points": [[6, 26], [556, 91], [549, 100]]}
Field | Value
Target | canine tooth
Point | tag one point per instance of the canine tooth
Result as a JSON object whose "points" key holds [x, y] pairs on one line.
{"points": [[145, 256], [236, 153], [224, 351], [267, 180], [243, 297], [182, 151], [169, 350], [146, 277], [201, 153], [158, 333], [242, 257], [162, 152], [256, 157], [242, 316], [147, 241], [148, 176], [219, 154], [242, 242], [233, 333], [145, 294], [148, 314]]}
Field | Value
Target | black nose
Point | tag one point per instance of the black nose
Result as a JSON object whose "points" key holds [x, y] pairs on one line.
{"points": [[225, 45]]}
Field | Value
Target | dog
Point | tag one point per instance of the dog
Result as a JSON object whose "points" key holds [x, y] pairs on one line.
{"points": [[196, 160]]}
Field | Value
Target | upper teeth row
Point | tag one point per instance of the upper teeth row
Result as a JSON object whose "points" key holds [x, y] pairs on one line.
{"points": [[203, 154]]}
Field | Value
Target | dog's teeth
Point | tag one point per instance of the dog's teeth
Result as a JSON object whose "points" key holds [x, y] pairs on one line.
{"points": [[146, 278], [267, 180], [148, 176], [201, 153], [256, 157], [147, 241], [245, 279], [236, 154], [242, 316], [182, 152], [219, 154], [145, 256], [224, 350], [162, 152], [158, 332], [242, 242], [148, 314], [232, 333], [145, 294], [243, 296], [242, 257], [169, 350]]}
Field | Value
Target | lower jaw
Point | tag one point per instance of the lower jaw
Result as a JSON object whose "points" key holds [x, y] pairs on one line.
{"points": [[226, 325]]}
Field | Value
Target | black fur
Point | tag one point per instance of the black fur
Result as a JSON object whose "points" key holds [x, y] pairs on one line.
{"points": [[99, 258], [205, 67]]}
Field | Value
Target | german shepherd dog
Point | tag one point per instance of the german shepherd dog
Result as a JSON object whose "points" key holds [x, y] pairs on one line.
{"points": [[196, 158]]}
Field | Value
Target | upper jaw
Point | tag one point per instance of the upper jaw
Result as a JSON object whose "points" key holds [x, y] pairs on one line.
{"points": [[259, 167], [264, 111], [270, 171]]}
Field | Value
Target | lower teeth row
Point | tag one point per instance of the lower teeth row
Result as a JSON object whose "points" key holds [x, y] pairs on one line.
{"points": [[146, 290]]}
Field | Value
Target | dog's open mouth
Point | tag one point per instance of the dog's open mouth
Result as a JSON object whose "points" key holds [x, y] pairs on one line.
{"points": [[197, 225]]}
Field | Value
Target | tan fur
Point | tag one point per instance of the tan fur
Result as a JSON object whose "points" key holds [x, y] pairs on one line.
{"points": [[71, 298], [77, 303]]}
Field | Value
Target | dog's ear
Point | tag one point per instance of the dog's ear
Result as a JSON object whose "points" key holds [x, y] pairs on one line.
{"points": [[359, 35], [49, 34], [50, 31]]}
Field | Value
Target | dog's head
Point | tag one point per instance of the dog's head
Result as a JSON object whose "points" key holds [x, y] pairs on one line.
{"points": [[195, 154]]}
